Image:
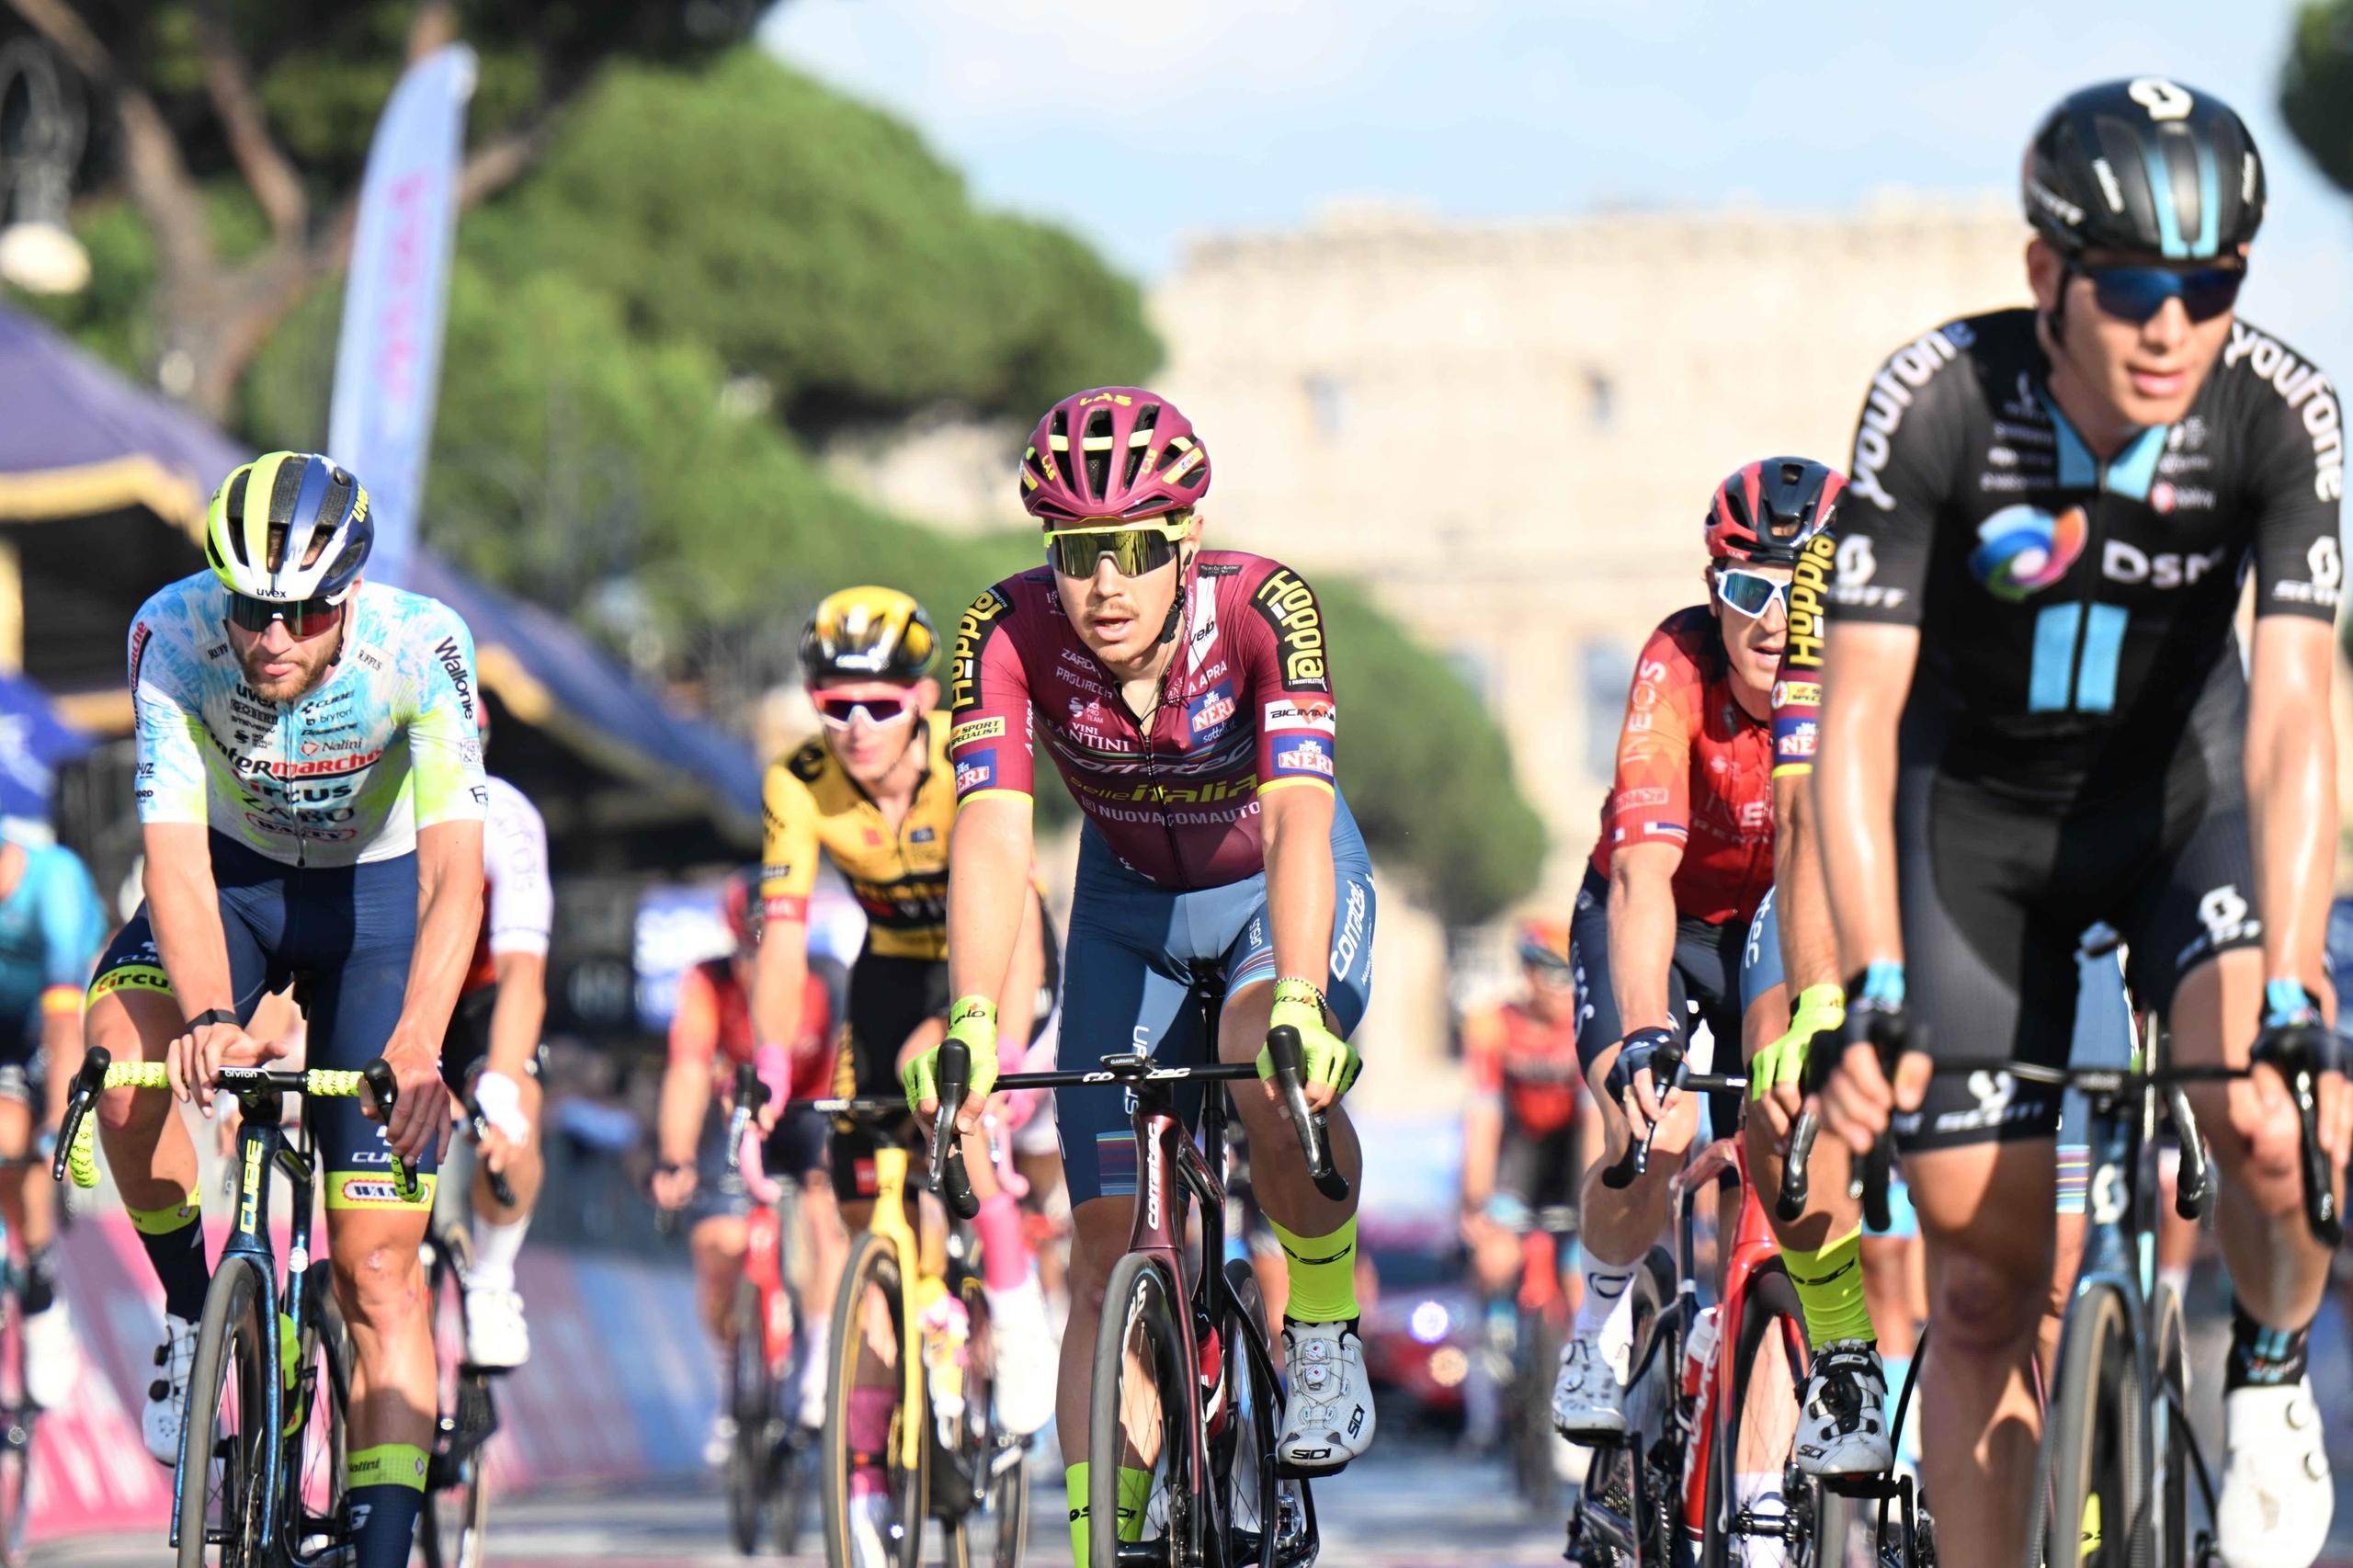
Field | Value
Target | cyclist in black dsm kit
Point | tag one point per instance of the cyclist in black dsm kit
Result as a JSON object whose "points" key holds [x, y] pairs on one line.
{"points": [[2036, 717]]}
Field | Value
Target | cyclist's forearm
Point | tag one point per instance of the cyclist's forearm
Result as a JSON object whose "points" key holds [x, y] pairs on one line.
{"points": [[1482, 1134], [60, 1036], [1641, 934], [2291, 801], [184, 912], [1016, 1004], [517, 1016], [1301, 882], [778, 979], [677, 1118], [988, 876], [1855, 796], [1800, 907], [448, 888]]}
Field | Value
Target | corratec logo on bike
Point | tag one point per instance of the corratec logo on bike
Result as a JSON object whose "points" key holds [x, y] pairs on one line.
{"points": [[1152, 1180]]}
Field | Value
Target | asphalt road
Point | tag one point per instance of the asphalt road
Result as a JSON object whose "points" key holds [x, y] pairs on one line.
{"points": [[1408, 1505]]}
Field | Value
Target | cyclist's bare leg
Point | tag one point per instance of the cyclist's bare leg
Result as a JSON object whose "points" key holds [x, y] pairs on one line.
{"points": [[824, 1245], [1620, 1225], [1831, 1210], [1100, 1231], [1989, 1266], [379, 1283], [16, 1134], [718, 1245], [1277, 1168], [2278, 1270], [1495, 1259], [148, 1149], [524, 1168], [2066, 1260], [1890, 1267]]}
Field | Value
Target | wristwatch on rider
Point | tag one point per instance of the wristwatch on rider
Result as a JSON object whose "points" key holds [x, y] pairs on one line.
{"points": [[209, 1016]]}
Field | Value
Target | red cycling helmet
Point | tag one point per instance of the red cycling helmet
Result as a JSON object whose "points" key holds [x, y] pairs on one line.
{"points": [[1766, 511], [1118, 452], [741, 902], [1544, 943]]}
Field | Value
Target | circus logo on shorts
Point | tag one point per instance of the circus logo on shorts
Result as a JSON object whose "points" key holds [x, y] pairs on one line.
{"points": [[2023, 549]]}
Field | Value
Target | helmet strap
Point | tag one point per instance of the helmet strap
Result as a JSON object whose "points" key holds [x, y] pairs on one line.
{"points": [[1177, 605]]}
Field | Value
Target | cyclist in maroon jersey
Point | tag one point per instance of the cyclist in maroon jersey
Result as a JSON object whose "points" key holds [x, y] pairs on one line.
{"points": [[1185, 697]]}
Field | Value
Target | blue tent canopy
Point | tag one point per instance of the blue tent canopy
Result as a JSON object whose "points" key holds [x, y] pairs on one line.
{"points": [[34, 742], [78, 439]]}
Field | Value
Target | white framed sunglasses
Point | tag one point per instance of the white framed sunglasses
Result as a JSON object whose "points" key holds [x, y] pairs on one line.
{"points": [[1751, 593]]}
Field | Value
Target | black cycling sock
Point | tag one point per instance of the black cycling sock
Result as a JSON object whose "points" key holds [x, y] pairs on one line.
{"points": [[40, 1292], [174, 1238], [386, 1488], [2261, 1357]]}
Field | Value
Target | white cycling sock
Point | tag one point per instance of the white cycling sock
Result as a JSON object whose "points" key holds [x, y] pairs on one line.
{"points": [[1606, 1316], [495, 1249], [2176, 1278], [1760, 1494]]}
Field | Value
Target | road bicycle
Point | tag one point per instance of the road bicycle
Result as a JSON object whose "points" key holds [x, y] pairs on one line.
{"points": [[18, 1414], [262, 1438], [911, 1323], [769, 1464], [2119, 1456], [1524, 1332], [453, 1529], [1710, 1387], [1185, 1385]]}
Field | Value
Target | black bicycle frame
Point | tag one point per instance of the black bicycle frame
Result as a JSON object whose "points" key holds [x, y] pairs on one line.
{"points": [[263, 1145]]}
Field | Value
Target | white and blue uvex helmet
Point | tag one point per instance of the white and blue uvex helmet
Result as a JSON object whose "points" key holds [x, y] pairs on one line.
{"points": [[2146, 167], [289, 526]]}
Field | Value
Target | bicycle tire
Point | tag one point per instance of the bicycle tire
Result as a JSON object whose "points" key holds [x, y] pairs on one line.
{"points": [[1278, 1530], [750, 1399], [873, 1268], [1640, 1479], [2092, 1450], [989, 1478], [1140, 1308], [1009, 1506], [19, 1417], [2172, 1447], [234, 1353], [1771, 1304], [315, 1457], [1536, 1351]]}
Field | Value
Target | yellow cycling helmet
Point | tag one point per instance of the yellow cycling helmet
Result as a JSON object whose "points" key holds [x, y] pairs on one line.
{"points": [[867, 634], [289, 526]]}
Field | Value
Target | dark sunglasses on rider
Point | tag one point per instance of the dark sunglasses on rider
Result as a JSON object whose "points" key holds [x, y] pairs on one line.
{"points": [[1135, 548], [841, 711], [2136, 293], [1750, 592], [306, 618]]}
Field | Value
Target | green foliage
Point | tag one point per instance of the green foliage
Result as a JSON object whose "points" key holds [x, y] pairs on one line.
{"points": [[111, 317], [816, 242], [2316, 86]]}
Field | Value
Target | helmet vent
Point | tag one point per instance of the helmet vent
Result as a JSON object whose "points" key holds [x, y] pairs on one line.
{"points": [[233, 507], [1096, 453]]}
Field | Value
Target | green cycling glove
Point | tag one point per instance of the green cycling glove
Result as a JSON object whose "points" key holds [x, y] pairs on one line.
{"points": [[1821, 1010], [971, 1020], [1324, 1057]]}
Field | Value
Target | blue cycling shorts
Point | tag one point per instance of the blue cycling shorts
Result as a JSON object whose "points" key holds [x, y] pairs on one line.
{"points": [[2103, 1035], [344, 936], [1128, 969]]}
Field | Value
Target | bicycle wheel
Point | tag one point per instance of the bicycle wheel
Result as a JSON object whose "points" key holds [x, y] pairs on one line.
{"points": [[1752, 1424], [1632, 1485], [18, 1415], [1138, 1419], [1269, 1517], [453, 1529], [2172, 1451], [750, 1398], [224, 1435], [980, 1491], [2093, 1454], [313, 1469], [869, 1327], [1535, 1474]]}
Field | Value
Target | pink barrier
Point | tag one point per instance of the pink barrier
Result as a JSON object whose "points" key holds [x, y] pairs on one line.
{"points": [[619, 1385]]}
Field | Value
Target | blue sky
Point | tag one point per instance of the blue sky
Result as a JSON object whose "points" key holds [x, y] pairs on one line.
{"points": [[1139, 124]]}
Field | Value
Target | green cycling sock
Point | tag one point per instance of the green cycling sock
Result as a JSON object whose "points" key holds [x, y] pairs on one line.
{"points": [[1323, 1272], [1830, 1287]]}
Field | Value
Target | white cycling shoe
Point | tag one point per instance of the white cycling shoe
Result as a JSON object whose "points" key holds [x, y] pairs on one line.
{"points": [[1028, 1357], [497, 1337], [2276, 1496], [53, 1358], [159, 1422], [1843, 1428], [1327, 1420], [1590, 1393]]}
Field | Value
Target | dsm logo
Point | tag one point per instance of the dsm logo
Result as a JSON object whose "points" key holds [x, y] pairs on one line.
{"points": [[2023, 549]]}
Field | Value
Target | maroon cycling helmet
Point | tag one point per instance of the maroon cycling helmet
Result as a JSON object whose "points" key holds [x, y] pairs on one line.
{"points": [[1118, 452], [1765, 511], [740, 902]]}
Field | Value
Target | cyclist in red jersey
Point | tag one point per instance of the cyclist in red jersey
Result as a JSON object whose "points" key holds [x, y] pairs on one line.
{"points": [[1685, 855], [710, 1036]]}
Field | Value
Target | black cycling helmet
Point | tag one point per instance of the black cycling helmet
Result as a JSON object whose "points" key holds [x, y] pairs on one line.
{"points": [[2146, 167], [1765, 511]]}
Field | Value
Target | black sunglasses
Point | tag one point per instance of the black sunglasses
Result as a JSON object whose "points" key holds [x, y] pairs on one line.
{"points": [[2137, 293], [305, 617]]}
